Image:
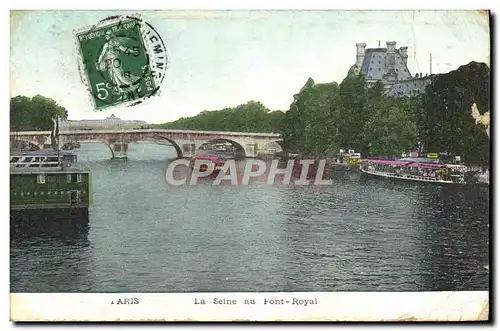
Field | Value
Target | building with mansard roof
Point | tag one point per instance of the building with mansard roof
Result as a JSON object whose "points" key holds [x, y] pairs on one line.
{"points": [[389, 66]]}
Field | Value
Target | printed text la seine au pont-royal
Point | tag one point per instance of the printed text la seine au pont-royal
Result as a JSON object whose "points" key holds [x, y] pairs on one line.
{"points": [[265, 301]]}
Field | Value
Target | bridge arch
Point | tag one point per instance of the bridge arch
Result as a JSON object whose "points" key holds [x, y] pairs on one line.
{"points": [[176, 146], [97, 141], [239, 149], [110, 148], [128, 140]]}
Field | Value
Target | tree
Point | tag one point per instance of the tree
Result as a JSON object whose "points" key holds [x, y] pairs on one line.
{"points": [[391, 130], [20, 108], [250, 117], [308, 126], [353, 112], [34, 113], [446, 123]]}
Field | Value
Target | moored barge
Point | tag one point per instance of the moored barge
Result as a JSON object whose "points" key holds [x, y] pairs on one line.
{"points": [[48, 182]]}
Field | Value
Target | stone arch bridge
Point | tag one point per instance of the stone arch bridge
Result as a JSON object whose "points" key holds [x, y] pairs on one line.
{"points": [[185, 142]]}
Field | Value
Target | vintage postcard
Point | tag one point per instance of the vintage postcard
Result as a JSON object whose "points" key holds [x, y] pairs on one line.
{"points": [[250, 165]]}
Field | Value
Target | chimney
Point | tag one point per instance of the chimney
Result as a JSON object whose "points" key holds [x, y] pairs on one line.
{"points": [[390, 58], [404, 53], [391, 46], [360, 54]]}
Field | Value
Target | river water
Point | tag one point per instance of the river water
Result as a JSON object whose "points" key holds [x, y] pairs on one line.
{"points": [[355, 235]]}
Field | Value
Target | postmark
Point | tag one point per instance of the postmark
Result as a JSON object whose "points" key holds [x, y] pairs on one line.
{"points": [[122, 61]]}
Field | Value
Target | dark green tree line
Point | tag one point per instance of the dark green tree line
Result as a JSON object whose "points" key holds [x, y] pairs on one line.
{"points": [[445, 120], [327, 117], [250, 117], [308, 124], [34, 113]]}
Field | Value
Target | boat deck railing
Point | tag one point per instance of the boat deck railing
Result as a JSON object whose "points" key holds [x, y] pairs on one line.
{"points": [[414, 177], [45, 160], [40, 170], [25, 161]]}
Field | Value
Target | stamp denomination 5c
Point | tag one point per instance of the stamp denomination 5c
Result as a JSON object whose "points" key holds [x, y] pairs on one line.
{"points": [[122, 61]]}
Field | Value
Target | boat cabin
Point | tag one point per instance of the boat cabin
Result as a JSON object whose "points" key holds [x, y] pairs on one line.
{"points": [[349, 158]]}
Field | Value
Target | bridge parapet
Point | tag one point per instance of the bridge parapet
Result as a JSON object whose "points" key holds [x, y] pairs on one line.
{"points": [[183, 132], [205, 133], [186, 142]]}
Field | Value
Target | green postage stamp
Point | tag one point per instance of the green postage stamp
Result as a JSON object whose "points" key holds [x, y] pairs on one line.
{"points": [[122, 61]]}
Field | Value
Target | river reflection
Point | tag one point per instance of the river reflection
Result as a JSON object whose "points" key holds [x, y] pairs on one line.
{"points": [[50, 257]]}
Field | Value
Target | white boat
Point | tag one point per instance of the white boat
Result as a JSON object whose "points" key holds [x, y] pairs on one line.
{"points": [[415, 171]]}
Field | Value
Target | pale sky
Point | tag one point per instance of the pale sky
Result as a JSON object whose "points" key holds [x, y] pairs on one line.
{"points": [[221, 59]]}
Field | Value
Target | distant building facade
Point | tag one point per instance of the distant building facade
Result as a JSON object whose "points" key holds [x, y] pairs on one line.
{"points": [[111, 122], [389, 66]]}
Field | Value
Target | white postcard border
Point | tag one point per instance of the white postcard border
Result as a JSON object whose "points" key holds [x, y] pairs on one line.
{"points": [[267, 306], [27, 300]]}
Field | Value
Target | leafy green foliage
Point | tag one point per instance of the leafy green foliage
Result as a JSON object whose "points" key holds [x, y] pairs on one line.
{"points": [[327, 117], [391, 130], [34, 113], [445, 122], [250, 117], [308, 124]]}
